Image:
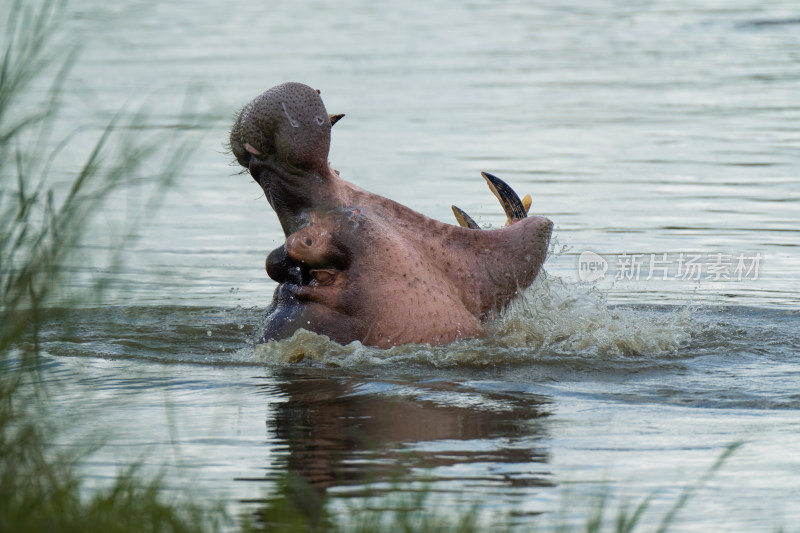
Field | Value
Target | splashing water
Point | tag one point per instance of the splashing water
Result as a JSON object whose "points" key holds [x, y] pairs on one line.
{"points": [[551, 319]]}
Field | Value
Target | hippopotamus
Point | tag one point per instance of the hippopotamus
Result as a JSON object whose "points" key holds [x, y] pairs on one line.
{"points": [[357, 266]]}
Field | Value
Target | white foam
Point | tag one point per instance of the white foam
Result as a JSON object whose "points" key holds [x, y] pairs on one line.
{"points": [[551, 319]]}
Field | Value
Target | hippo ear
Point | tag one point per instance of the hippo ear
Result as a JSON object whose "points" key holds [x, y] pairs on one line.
{"points": [[335, 118]]}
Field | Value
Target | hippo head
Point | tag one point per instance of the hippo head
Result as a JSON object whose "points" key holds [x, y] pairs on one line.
{"points": [[358, 266], [282, 138]]}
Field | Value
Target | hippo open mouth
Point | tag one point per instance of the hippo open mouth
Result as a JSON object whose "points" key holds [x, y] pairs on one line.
{"points": [[358, 266]]}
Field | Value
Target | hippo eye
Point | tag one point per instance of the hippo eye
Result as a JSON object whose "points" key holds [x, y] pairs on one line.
{"points": [[308, 242]]}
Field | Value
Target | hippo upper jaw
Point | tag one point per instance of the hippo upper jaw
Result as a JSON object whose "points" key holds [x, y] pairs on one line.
{"points": [[287, 190], [291, 192], [282, 138], [288, 122]]}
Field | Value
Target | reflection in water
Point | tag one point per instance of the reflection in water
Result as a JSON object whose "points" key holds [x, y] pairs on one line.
{"points": [[344, 436]]}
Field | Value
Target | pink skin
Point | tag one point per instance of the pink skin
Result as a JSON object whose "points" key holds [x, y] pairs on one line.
{"points": [[417, 303], [408, 278]]}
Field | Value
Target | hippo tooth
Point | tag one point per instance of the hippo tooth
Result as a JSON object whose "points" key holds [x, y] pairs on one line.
{"points": [[464, 220], [511, 203], [526, 202]]}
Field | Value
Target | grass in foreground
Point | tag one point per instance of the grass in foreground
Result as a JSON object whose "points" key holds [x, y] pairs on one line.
{"points": [[40, 487]]}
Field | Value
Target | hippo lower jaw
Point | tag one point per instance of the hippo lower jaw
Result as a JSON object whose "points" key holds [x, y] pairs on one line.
{"points": [[286, 314], [349, 275]]}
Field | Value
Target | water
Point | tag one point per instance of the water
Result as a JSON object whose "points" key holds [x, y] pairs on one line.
{"points": [[648, 132]]}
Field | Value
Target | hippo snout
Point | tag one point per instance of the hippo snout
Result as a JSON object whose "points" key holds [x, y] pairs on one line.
{"points": [[287, 124]]}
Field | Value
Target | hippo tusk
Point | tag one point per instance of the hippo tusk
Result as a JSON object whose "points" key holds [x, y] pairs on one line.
{"points": [[514, 208], [335, 118], [464, 220], [249, 147], [511, 203]]}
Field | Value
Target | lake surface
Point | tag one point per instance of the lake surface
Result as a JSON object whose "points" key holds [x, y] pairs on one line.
{"points": [[661, 138]]}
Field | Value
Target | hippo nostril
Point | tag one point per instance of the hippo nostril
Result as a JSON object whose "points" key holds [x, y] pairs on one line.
{"points": [[308, 241]]}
